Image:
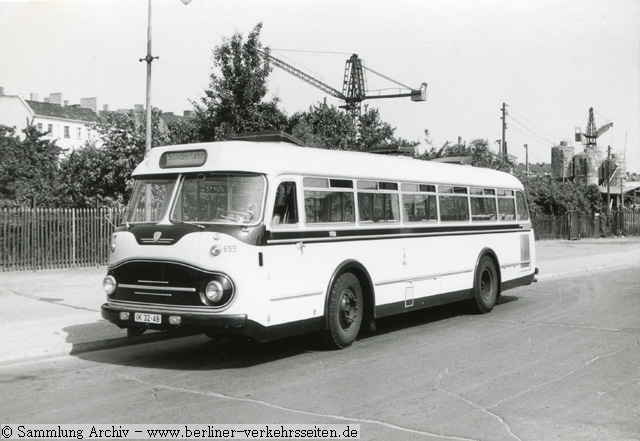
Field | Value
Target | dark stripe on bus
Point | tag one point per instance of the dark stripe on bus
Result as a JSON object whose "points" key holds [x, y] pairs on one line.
{"points": [[276, 237]]}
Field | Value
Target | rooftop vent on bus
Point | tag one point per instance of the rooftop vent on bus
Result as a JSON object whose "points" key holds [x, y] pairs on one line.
{"points": [[392, 150], [267, 136]]}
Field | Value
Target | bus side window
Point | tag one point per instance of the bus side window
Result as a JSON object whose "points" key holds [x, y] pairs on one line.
{"points": [[507, 208], [285, 211], [521, 206]]}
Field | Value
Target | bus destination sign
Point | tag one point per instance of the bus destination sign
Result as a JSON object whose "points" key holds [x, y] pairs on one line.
{"points": [[186, 158]]}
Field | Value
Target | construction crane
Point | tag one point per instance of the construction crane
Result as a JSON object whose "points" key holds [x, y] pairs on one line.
{"points": [[590, 137], [353, 87]]}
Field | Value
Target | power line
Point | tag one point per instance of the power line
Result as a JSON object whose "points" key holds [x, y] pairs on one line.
{"points": [[535, 125], [534, 133], [310, 52]]}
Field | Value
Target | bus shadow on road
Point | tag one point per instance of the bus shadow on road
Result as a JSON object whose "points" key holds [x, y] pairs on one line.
{"points": [[426, 316], [189, 351]]}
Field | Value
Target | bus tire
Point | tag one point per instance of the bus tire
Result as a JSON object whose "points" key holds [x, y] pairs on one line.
{"points": [[485, 286], [345, 310]]}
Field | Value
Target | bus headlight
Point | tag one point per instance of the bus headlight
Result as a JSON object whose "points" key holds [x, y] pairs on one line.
{"points": [[214, 291], [217, 292], [109, 285]]}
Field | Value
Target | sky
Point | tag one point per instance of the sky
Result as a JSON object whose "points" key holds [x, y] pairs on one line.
{"points": [[548, 61]]}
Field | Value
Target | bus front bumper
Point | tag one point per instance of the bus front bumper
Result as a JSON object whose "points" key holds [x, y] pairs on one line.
{"points": [[132, 317]]}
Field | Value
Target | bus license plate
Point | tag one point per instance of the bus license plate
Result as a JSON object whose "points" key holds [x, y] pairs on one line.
{"points": [[148, 318]]}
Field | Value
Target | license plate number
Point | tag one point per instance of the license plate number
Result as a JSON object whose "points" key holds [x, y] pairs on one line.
{"points": [[147, 318]]}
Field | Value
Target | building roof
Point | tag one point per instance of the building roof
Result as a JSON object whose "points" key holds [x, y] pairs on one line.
{"points": [[169, 117], [629, 187], [74, 112]]}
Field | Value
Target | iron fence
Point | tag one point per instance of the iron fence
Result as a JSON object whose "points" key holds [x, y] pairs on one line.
{"points": [[32, 239], [577, 225]]}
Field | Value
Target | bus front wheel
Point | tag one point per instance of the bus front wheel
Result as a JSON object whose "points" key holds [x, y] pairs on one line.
{"points": [[485, 287], [345, 310]]}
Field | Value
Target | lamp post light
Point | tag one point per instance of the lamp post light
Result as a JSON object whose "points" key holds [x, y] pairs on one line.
{"points": [[149, 59]]}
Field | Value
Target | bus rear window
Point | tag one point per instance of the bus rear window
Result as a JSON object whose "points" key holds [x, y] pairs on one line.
{"points": [[521, 206]]}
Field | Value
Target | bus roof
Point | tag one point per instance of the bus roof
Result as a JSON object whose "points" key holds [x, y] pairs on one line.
{"points": [[278, 158]]}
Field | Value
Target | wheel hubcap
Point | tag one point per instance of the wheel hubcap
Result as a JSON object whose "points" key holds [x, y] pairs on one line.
{"points": [[486, 285], [348, 309]]}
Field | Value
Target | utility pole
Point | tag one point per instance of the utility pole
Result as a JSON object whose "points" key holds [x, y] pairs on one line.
{"points": [[526, 147], [503, 148], [147, 139], [149, 59], [608, 179], [147, 144]]}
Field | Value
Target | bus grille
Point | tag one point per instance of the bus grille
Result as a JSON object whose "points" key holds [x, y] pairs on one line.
{"points": [[161, 283]]}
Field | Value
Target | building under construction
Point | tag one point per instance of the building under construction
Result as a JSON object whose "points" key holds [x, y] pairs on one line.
{"points": [[590, 166], [594, 166]]}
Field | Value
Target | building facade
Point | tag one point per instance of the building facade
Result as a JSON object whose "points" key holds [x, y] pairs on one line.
{"points": [[71, 126]]}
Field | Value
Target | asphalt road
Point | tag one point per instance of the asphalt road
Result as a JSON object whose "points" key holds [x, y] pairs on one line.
{"points": [[557, 360]]}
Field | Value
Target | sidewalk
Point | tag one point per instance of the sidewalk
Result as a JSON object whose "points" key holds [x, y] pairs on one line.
{"points": [[51, 313]]}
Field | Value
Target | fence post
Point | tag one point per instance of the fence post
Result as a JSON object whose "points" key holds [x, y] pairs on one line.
{"points": [[73, 237]]}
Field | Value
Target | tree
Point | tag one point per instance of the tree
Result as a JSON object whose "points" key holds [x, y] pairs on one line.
{"points": [[183, 131], [28, 169], [102, 173], [376, 133], [123, 145], [324, 126], [479, 151], [547, 196], [233, 103], [82, 178]]}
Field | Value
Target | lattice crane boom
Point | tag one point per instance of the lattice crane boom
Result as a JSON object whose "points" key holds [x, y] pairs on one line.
{"points": [[590, 137], [603, 129], [354, 89], [302, 75]]}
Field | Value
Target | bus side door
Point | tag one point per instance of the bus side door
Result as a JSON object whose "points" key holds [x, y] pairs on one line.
{"points": [[293, 294]]}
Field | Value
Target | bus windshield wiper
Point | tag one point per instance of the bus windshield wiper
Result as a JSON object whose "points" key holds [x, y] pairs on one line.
{"points": [[179, 222]]}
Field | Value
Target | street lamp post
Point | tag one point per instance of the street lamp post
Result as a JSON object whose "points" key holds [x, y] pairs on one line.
{"points": [[147, 140], [149, 59]]}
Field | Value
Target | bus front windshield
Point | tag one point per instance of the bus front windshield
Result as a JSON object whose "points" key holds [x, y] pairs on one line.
{"points": [[220, 198], [150, 199]]}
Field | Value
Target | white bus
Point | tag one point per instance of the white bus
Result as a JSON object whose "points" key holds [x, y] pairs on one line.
{"points": [[271, 239]]}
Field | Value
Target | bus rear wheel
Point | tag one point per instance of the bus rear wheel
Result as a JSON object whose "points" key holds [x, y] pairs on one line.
{"points": [[485, 287], [345, 311]]}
